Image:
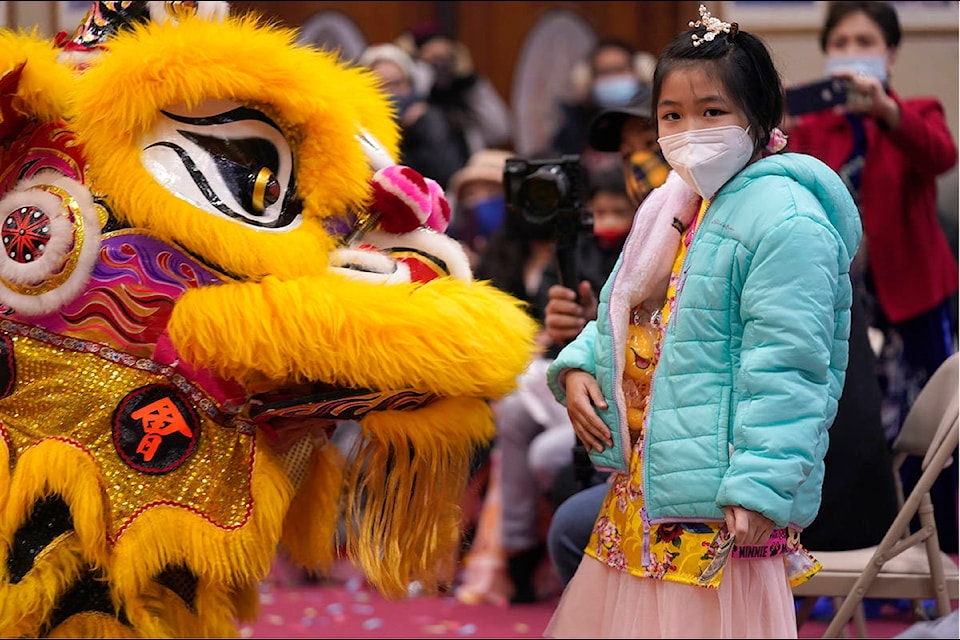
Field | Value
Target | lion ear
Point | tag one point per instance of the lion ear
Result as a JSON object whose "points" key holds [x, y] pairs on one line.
{"points": [[50, 233]]}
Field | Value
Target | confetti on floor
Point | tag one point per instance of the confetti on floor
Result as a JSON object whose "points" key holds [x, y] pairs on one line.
{"points": [[343, 605]]}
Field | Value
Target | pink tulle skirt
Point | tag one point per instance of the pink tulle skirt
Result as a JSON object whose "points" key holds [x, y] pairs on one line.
{"points": [[754, 600]]}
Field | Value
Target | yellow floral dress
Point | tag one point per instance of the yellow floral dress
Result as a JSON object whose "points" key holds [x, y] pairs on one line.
{"points": [[688, 552]]}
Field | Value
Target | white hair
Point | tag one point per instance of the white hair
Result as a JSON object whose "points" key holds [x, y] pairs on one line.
{"points": [[390, 53]]}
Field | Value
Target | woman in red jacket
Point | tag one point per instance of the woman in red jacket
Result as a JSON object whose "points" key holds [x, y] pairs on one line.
{"points": [[890, 151]]}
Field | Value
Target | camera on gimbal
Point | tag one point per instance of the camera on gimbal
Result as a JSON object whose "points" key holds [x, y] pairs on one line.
{"points": [[550, 194]]}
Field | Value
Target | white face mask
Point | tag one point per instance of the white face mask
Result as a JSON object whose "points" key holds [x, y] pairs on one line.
{"points": [[707, 158]]}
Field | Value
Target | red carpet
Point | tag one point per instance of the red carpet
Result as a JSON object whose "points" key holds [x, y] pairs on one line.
{"points": [[344, 606]]}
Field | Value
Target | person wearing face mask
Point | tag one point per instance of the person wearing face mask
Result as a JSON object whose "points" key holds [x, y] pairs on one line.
{"points": [[427, 142], [737, 270], [611, 208], [859, 500], [629, 131], [476, 197], [611, 77], [890, 151], [475, 110]]}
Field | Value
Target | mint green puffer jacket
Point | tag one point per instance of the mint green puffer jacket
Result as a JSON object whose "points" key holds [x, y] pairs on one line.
{"points": [[755, 353]]}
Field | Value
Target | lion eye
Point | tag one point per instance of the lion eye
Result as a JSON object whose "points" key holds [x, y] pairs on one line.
{"points": [[227, 159], [265, 191]]}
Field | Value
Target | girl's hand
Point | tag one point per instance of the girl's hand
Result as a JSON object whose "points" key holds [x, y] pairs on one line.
{"points": [[749, 527], [583, 394]]}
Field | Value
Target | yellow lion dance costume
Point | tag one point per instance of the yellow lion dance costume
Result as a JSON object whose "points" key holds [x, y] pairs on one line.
{"points": [[187, 311]]}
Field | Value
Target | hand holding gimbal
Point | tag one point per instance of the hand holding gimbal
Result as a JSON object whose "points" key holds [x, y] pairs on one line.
{"points": [[550, 194]]}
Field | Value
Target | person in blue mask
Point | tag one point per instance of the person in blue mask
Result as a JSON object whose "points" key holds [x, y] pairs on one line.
{"points": [[476, 197], [611, 77]]}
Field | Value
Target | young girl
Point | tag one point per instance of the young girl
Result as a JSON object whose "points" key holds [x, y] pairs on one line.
{"points": [[739, 266]]}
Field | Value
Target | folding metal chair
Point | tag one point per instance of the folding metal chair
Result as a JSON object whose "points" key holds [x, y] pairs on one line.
{"points": [[903, 565]]}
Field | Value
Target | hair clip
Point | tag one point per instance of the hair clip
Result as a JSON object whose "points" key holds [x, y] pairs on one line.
{"points": [[714, 27], [778, 140]]}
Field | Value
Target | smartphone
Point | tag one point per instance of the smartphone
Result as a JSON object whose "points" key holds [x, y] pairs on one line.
{"points": [[816, 96]]}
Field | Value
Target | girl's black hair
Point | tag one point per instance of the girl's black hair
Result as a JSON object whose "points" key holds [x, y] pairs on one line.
{"points": [[883, 14], [742, 63]]}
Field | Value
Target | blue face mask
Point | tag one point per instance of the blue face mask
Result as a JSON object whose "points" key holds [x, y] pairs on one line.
{"points": [[490, 214], [401, 103], [480, 219], [875, 66], [615, 91]]}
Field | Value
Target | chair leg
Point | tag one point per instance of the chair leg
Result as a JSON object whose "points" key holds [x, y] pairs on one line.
{"points": [[860, 621], [918, 611], [858, 617], [843, 610], [925, 512], [805, 609]]}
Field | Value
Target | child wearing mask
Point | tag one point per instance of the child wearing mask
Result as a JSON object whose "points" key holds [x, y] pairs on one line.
{"points": [[739, 265]]}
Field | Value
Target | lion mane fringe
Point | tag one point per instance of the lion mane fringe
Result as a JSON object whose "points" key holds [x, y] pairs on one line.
{"points": [[227, 563], [406, 486]]}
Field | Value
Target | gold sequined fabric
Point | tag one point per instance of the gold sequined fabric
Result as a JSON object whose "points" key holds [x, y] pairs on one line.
{"points": [[72, 396], [124, 485]]}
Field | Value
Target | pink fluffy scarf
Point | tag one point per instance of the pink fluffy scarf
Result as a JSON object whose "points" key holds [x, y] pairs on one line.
{"points": [[644, 273]]}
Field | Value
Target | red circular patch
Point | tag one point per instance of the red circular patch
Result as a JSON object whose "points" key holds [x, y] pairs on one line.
{"points": [[155, 429]]}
